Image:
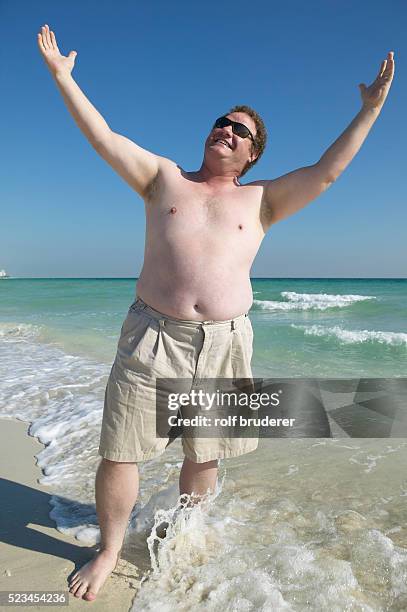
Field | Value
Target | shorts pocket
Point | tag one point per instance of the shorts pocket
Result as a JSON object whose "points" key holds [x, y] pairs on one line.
{"points": [[130, 324], [139, 341]]}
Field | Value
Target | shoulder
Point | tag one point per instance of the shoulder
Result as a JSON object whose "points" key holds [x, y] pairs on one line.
{"points": [[256, 184]]}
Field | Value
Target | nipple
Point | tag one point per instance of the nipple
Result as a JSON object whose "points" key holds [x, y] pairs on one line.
{"points": [[173, 210], [240, 226]]}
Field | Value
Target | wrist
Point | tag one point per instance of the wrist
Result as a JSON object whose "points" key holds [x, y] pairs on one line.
{"points": [[371, 110], [62, 76]]}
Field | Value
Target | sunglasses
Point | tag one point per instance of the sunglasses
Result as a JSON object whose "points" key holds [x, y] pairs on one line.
{"points": [[237, 128]]}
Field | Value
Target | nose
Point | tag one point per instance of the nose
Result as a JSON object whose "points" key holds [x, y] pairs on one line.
{"points": [[225, 132]]}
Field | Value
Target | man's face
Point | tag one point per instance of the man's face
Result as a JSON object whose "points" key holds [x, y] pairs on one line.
{"points": [[224, 144]]}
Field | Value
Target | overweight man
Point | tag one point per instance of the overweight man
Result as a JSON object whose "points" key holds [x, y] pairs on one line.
{"points": [[189, 320]]}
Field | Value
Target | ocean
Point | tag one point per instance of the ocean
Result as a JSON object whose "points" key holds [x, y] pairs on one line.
{"points": [[300, 523]]}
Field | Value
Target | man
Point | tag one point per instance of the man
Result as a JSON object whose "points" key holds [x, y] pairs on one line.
{"points": [[190, 319]]}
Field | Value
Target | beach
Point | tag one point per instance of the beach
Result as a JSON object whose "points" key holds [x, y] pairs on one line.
{"points": [[298, 521], [34, 556]]}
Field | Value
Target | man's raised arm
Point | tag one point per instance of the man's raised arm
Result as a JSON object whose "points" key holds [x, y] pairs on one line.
{"points": [[287, 194], [135, 165]]}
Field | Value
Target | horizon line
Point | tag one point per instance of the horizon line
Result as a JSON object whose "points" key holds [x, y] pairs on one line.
{"points": [[251, 278]]}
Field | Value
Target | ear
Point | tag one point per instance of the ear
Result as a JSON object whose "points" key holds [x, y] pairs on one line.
{"points": [[254, 154]]}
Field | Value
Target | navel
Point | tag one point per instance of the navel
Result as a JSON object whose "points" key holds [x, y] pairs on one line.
{"points": [[173, 210]]}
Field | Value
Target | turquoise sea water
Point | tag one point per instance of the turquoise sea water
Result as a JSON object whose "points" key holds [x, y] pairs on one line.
{"points": [[310, 327], [298, 523]]}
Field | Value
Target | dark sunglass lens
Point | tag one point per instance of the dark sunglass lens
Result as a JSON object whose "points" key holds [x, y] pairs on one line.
{"points": [[237, 128], [241, 130], [222, 122]]}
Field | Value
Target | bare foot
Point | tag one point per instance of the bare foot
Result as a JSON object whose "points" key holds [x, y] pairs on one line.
{"points": [[88, 580]]}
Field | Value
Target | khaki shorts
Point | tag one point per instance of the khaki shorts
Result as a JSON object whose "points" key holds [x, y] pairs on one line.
{"points": [[153, 345]]}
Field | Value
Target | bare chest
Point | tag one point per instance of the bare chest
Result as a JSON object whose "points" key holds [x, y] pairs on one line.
{"points": [[184, 205]]}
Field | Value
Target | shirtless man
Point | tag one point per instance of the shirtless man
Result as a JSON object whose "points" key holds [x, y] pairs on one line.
{"points": [[203, 231]]}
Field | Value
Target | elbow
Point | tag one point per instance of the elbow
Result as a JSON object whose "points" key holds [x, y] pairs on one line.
{"points": [[326, 181], [332, 177], [101, 143], [329, 181], [328, 175]]}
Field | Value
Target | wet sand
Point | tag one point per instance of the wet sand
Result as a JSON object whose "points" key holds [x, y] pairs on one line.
{"points": [[33, 554]]}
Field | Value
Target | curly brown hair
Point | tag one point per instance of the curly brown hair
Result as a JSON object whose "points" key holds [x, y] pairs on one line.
{"points": [[260, 139]]}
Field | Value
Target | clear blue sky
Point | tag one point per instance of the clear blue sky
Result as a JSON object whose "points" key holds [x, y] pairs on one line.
{"points": [[160, 72]]}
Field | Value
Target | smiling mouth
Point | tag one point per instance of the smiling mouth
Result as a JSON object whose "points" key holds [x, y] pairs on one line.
{"points": [[222, 141]]}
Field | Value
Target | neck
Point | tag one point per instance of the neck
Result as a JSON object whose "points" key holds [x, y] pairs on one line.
{"points": [[220, 177]]}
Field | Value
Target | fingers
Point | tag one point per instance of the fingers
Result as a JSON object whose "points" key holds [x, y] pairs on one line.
{"points": [[40, 43], [48, 36], [386, 68], [388, 63], [382, 68], [46, 39], [388, 73], [54, 41]]}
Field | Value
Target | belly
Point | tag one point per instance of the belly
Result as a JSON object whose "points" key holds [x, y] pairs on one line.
{"points": [[197, 279]]}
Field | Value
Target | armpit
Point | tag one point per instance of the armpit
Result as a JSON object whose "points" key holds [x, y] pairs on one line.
{"points": [[266, 215]]}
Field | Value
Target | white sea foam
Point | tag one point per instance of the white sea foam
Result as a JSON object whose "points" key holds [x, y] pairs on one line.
{"points": [[62, 396], [15, 332], [311, 301], [222, 556], [348, 336], [267, 542]]}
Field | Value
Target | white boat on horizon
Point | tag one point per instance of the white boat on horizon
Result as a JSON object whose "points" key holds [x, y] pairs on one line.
{"points": [[3, 274]]}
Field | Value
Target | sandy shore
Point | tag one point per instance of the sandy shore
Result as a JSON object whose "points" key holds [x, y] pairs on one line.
{"points": [[33, 554]]}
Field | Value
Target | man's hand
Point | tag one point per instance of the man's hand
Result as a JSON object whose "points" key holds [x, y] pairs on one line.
{"points": [[58, 64], [373, 97]]}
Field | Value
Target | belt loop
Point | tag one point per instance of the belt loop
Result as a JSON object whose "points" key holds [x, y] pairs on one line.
{"points": [[233, 325], [162, 322]]}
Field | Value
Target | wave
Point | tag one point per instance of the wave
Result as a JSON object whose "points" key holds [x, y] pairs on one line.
{"points": [[212, 557], [311, 301], [61, 395], [348, 336], [14, 332], [219, 549]]}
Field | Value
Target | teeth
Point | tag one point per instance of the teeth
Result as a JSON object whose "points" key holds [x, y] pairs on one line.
{"points": [[223, 142]]}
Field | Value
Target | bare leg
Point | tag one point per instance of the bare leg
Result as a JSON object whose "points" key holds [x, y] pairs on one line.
{"points": [[197, 478], [116, 494]]}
